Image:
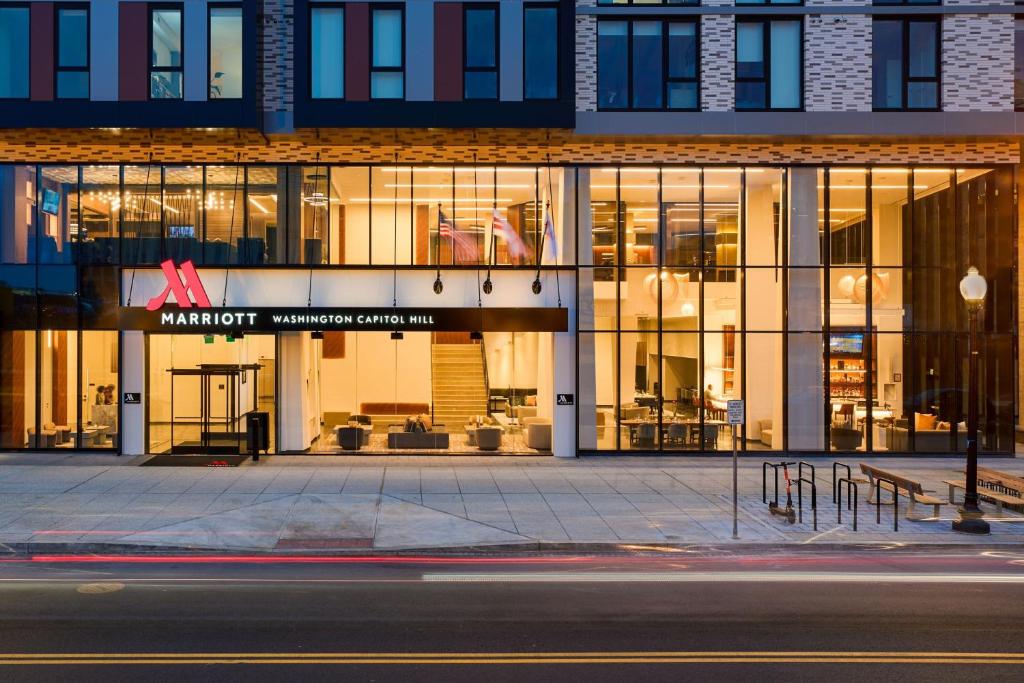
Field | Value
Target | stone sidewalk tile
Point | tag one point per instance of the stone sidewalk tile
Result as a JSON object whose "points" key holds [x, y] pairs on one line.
{"points": [[438, 481], [488, 508], [327, 480], [578, 518], [451, 503], [475, 481], [533, 517], [364, 480]]}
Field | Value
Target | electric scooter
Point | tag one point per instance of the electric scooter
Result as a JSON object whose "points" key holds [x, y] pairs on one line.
{"points": [[788, 512]]}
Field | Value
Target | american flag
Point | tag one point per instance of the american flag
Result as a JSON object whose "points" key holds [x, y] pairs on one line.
{"points": [[504, 230], [550, 242], [465, 247]]}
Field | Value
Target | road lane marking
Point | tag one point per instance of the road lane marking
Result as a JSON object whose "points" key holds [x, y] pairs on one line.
{"points": [[507, 658], [721, 577]]}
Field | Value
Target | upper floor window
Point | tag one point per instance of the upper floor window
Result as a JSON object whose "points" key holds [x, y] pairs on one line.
{"points": [[480, 65], [769, 56], [387, 70], [73, 52], [907, 2], [648, 2], [905, 73], [769, 2], [540, 52], [166, 77], [327, 52], [225, 53], [647, 64], [14, 34]]}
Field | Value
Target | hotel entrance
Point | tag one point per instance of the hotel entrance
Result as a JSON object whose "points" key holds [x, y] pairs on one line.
{"points": [[204, 389]]}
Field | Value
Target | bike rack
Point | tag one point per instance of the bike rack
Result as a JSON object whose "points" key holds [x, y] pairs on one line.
{"points": [[764, 480], [895, 502], [849, 475], [800, 500], [850, 485], [800, 470]]}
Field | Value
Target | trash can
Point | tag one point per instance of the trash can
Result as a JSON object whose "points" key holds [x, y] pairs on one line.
{"points": [[258, 433]]}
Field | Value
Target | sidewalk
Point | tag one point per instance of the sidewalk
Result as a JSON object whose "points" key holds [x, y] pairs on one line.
{"points": [[301, 503]]}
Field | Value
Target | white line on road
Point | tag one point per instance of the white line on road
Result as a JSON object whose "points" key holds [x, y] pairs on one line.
{"points": [[724, 577]]}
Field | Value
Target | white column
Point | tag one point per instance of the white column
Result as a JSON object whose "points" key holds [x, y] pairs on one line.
{"points": [[292, 392], [563, 426], [133, 379], [805, 362]]}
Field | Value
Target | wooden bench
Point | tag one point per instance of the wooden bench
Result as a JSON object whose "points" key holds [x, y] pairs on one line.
{"points": [[909, 488], [1002, 488]]}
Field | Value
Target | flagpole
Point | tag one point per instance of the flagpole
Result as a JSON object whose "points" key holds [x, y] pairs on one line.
{"points": [[438, 285], [488, 285], [558, 283]]}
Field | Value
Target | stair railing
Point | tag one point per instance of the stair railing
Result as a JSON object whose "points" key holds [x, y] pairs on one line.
{"points": [[487, 381]]}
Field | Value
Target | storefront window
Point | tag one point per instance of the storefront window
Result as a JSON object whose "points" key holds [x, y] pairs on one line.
{"points": [[100, 215], [819, 296], [225, 214]]}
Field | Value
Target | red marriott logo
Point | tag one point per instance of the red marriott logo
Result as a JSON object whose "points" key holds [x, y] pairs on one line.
{"points": [[181, 289]]}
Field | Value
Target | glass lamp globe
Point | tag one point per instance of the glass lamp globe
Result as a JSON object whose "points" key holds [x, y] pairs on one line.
{"points": [[973, 287]]}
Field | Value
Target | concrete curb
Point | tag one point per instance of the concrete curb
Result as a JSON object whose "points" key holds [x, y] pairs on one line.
{"points": [[20, 550]]}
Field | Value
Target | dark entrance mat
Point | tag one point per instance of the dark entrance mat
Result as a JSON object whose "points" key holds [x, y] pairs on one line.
{"points": [[195, 460]]}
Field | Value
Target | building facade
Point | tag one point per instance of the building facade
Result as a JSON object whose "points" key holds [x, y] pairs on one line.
{"points": [[516, 226]]}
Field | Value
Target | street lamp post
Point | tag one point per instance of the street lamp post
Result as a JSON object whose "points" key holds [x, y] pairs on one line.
{"points": [[972, 288]]}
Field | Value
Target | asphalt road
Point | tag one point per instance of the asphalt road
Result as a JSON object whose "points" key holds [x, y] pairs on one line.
{"points": [[888, 614]]}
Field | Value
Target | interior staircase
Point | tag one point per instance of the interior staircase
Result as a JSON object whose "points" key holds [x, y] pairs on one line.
{"points": [[459, 384]]}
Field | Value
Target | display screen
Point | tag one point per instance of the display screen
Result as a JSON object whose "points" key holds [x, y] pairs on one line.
{"points": [[51, 202], [846, 342], [181, 231]]}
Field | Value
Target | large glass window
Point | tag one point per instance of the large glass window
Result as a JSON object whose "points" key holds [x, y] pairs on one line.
{"points": [[905, 73], [480, 77], [327, 52], [73, 52], [387, 75], [14, 61], [648, 64], [225, 56], [166, 75], [540, 52], [819, 296], [769, 64]]}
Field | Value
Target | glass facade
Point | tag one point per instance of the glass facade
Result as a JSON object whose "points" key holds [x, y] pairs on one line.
{"points": [[825, 297]]}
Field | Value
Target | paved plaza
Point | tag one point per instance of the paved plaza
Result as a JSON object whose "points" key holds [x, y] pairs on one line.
{"points": [[303, 503]]}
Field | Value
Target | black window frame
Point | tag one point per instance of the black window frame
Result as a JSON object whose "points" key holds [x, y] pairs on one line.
{"points": [[905, 77], [495, 7], [527, 6], [384, 7], [665, 78], [57, 68], [28, 62], [209, 46], [766, 47], [312, 7], [150, 69]]}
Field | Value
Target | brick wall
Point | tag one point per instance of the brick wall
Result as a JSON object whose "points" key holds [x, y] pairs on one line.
{"points": [[837, 63], [718, 63], [977, 62], [276, 63], [586, 63]]}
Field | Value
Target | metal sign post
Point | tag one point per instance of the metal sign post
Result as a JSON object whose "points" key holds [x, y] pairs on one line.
{"points": [[735, 413]]}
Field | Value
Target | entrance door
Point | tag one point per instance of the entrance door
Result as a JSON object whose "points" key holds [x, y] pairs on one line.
{"points": [[203, 390]]}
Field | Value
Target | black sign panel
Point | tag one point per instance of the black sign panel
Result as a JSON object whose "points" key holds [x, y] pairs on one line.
{"points": [[132, 397], [285, 319], [565, 399]]}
